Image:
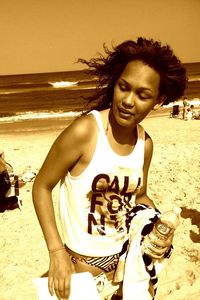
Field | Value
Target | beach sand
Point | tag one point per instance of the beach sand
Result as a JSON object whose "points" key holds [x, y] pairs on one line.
{"points": [[173, 179]]}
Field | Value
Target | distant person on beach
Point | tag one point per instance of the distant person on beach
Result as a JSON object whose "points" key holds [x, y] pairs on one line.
{"points": [[185, 106], [101, 161], [192, 110], [189, 114], [9, 186]]}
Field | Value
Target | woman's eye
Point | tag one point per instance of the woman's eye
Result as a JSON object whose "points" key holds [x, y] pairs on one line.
{"points": [[123, 87], [144, 96]]}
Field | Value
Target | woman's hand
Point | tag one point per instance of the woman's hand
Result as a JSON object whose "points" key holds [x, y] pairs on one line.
{"points": [[60, 271]]}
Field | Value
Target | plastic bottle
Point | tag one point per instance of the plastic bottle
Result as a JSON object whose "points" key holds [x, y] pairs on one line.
{"points": [[162, 230]]}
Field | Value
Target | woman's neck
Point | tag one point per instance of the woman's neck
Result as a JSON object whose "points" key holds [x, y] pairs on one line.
{"points": [[121, 139], [122, 134]]}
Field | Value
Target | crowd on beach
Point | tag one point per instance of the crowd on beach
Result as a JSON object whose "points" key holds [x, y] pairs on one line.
{"points": [[186, 110]]}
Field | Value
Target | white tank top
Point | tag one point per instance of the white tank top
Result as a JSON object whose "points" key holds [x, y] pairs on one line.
{"points": [[92, 221]]}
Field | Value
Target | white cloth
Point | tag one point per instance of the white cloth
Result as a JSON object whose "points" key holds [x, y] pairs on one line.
{"points": [[131, 268], [82, 287]]}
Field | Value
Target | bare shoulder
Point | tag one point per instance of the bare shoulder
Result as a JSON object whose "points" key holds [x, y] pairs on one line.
{"points": [[148, 139], [148, 145], [74, 141], [81, 129]]}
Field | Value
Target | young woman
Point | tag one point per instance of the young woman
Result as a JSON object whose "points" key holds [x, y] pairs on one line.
{"points": [[102, 161]]}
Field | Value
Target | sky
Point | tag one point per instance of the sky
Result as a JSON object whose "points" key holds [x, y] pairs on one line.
{"points": [[50, 35]]}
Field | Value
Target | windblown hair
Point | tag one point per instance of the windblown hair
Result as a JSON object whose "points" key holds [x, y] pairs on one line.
{"points": [[161, 58]]}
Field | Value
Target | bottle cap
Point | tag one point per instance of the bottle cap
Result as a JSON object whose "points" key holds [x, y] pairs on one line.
{"points": [[177, 210]]}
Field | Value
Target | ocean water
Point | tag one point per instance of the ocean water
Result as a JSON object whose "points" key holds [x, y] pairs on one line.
{"points": [[59, 94], [44, 95]]}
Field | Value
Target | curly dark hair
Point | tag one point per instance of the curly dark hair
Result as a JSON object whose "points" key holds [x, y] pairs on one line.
{"points": [[161, 58]]}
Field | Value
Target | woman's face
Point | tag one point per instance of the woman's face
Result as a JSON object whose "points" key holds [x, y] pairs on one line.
{"points": [[135, 93]]}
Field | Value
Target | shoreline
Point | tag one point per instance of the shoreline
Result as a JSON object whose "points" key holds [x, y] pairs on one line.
{"points": [[44, 121], [26, 127], [30, 126]]}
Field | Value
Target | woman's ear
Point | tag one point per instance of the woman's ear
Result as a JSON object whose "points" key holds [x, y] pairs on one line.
{"points": [[160, 101]]}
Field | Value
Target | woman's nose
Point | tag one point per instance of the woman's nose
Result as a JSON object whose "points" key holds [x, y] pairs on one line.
{"points": [[128, 100]]}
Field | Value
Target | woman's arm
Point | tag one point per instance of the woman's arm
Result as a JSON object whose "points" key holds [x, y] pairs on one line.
{"points": [[142, 197], [66, 152]]}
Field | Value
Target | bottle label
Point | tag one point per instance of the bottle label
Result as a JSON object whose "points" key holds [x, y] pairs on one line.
{"points": [[163, 229]]}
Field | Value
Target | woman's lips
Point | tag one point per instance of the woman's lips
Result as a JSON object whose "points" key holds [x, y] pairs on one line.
{"points": [[125, 112]]}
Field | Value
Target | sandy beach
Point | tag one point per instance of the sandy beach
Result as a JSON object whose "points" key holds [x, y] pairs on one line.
{"points": [[173, 179]]}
